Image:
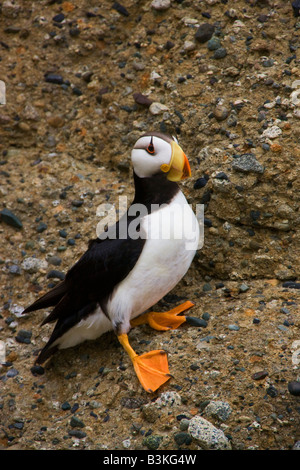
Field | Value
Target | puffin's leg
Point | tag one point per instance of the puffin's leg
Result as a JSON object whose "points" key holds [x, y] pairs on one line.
{"points": [[164, 320], [151, 368]]}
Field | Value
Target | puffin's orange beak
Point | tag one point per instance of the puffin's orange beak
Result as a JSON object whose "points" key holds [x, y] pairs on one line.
{"points": [[179, 167]]}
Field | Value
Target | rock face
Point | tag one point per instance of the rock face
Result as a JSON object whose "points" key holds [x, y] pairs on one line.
{"points": [[83, 81]]}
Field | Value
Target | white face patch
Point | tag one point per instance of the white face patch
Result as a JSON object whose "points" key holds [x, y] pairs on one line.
{"points": [[146, 164]]}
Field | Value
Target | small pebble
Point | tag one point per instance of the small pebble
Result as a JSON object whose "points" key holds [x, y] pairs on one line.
{"points": [[233, 327], [260, 375], [41, 227], [244, 288], [194, 321], [152, 442], [157, 108], [200, 183], [204, 32], [66, 406], [37, 370], [213, 44], [294, 388], [10, 218], [141, 99], [220, 53], [12, 373], [58, 18], [55, 274], [54, 78], [24, 336], [272, 391], [161, 5], [183, 438], [77, 433], [76, 422], [120, 9]]}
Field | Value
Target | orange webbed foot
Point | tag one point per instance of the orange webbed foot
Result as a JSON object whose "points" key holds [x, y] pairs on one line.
{"points": [[163, 321], [151, 368]]}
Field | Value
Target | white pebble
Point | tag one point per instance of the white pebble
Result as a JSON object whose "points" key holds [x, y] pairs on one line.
{"points": [[272, 132], [161, 4], [158, 108]]}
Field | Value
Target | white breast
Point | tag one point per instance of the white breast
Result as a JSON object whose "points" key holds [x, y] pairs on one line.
{"points": [[172, 235]]}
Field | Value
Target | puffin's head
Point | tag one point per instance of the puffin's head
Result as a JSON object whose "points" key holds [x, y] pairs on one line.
{"points": [[156, 153]]}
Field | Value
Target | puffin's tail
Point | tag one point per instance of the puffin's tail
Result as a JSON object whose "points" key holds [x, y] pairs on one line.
{"points": [[50, 299]]}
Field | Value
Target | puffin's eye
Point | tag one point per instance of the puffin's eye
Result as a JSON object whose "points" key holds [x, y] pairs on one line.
{"points": [[150, 148]]}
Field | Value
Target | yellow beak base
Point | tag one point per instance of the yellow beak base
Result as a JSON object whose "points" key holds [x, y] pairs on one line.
{"points": [[179, 167]]}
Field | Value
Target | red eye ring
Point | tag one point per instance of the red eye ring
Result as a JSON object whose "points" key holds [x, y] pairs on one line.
{"points": [[150, 148]]}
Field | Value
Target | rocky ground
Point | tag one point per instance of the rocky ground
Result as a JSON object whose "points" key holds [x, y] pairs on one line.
{"points": [[83, 80]]}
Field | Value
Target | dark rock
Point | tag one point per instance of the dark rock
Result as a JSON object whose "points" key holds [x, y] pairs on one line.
{"points": [[63, 233], [77, 433], [213, 44], [10, 218], [55, 274], [139, 98], [76, 91], [58, 18], [207, 222], [182, 438], [294, 388], [24, 336], [74, 32], [55, 260], [169, 45], [66, 406], [206, 197], [200, 183], [54, 78], [41, 227], [259, 375], [291, 285], [120, 9], [77, 203], [152, 442], [272, 391], [37, 370], [194, 321], [76, 422], [262, 18], [220, 53], [222, 176], [204, 32]]}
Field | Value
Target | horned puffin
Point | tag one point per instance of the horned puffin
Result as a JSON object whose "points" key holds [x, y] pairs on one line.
{"points": [[118, 279]]}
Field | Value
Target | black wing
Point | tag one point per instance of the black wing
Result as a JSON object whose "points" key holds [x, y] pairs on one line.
{"points": [[88, 283]]}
